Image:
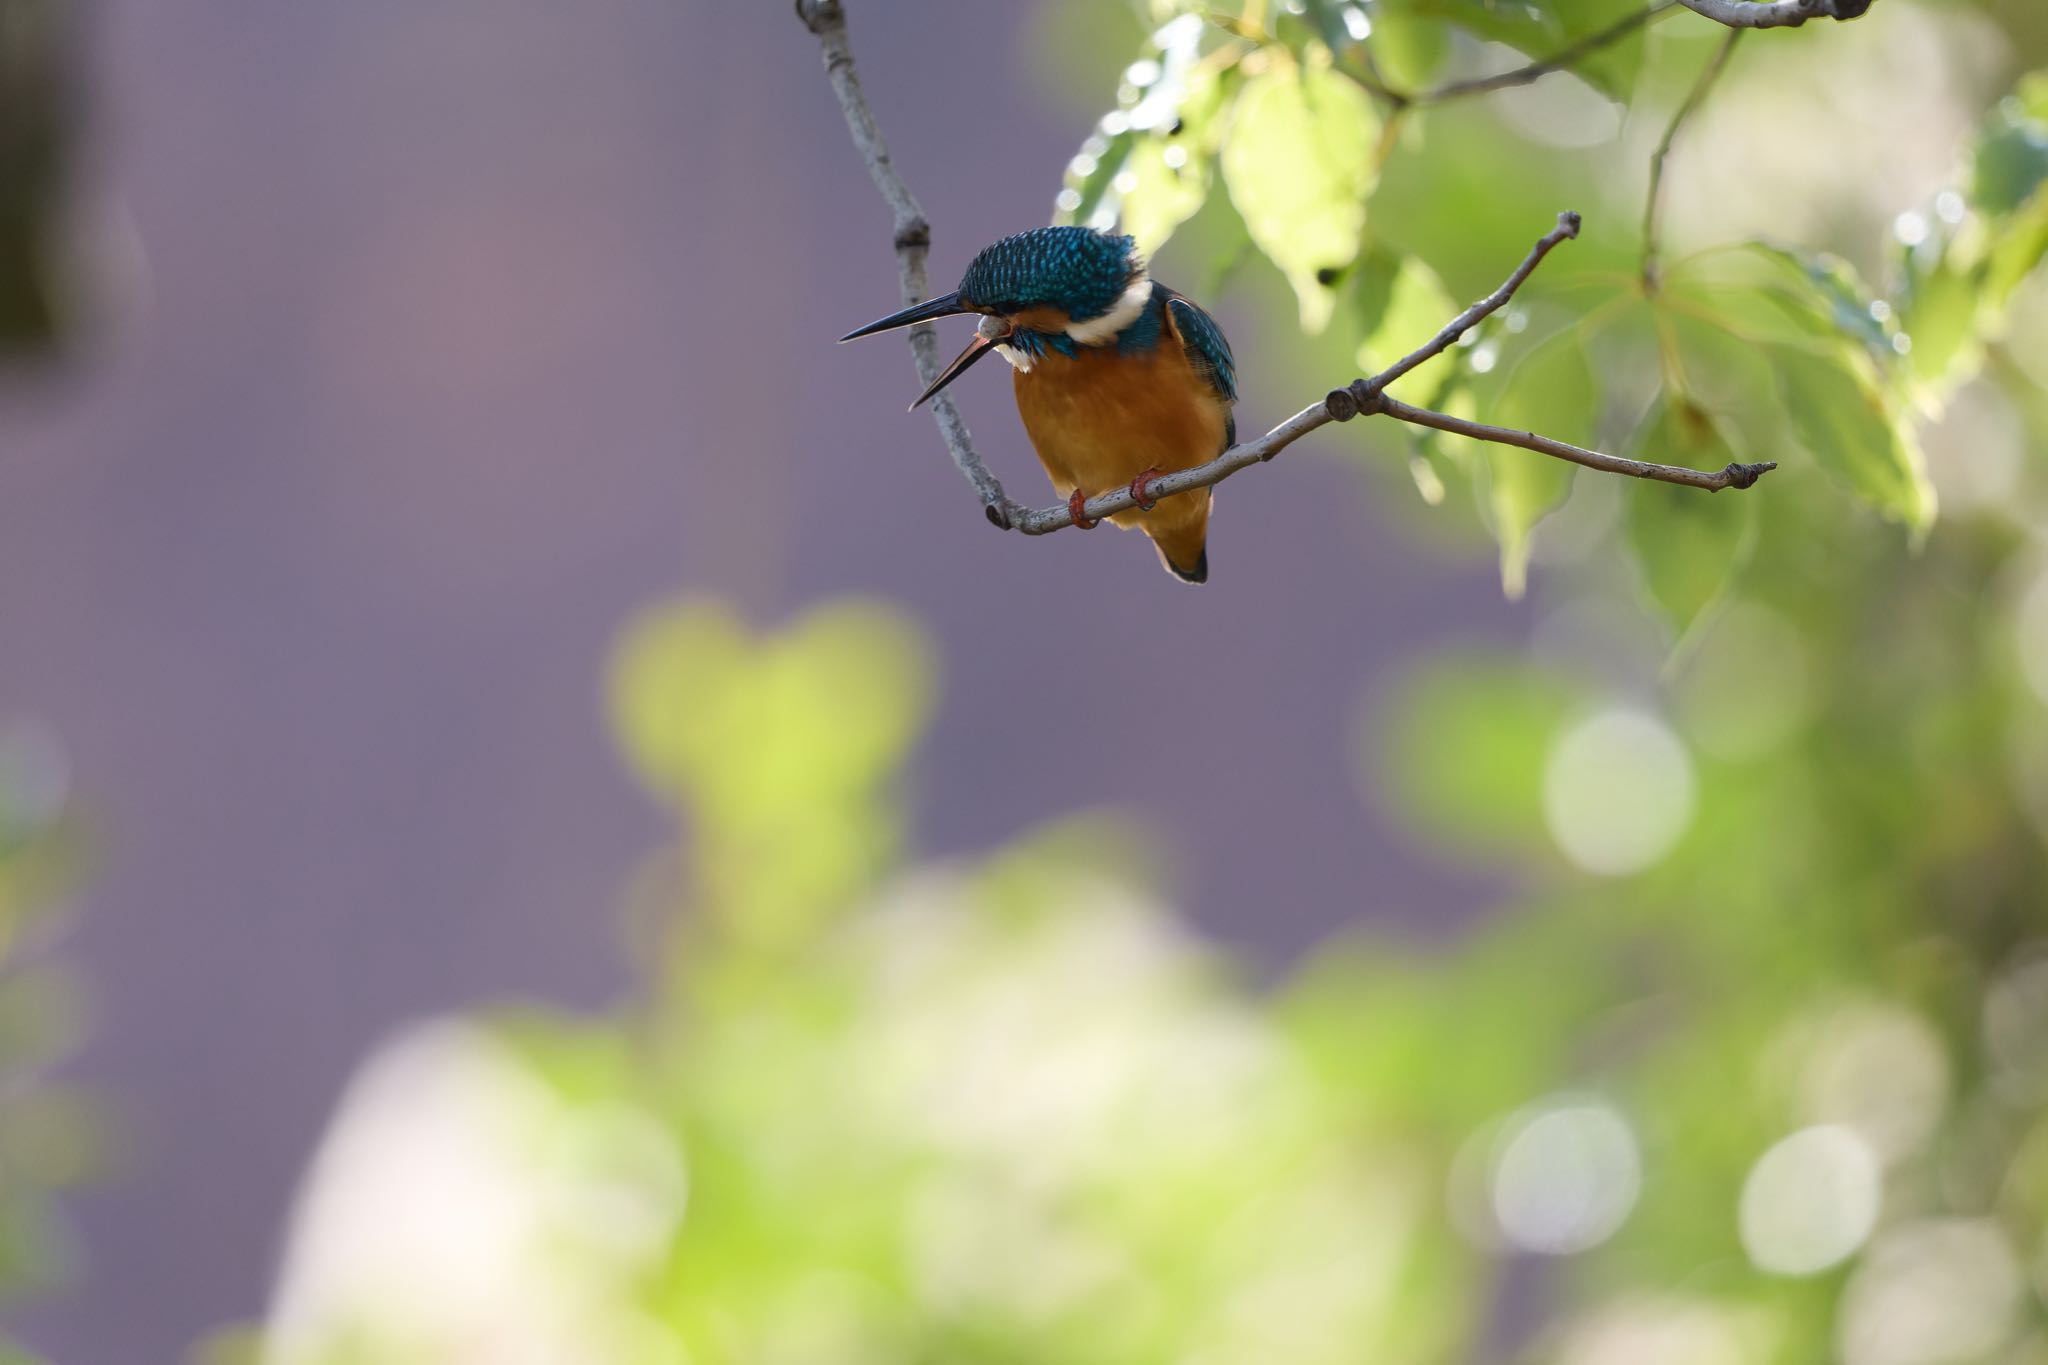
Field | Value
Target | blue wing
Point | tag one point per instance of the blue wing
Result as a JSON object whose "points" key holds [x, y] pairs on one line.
{"points": [[1206, 348]]}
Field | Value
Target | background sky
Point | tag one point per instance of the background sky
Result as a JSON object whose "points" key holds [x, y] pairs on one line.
{"points": [[433, 341]]}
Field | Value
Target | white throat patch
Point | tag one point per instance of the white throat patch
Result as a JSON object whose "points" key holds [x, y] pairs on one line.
{"points": [[1099, 331], [1018, 360]]}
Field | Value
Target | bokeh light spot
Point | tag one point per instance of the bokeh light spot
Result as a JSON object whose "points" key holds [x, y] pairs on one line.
{"points": [[1566, 1177], [1664, 1330], [1929, 1293], [1878, 1069], [1618, 792], [1810, 1201]]}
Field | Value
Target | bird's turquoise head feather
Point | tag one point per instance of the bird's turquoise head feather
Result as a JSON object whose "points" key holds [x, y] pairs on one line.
{"points": [[1081, 272], [1052, 288]]}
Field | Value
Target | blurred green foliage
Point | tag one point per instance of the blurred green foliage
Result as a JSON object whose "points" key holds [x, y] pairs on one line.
{"points": [[1751, 1065], [1352, 175], [49, 1133]]}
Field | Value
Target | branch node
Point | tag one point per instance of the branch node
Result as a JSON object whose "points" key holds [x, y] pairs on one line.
{"points": [[1747, 14], [915, 233], [1744, 475], [1368, 396], [1341, 405], [1568, 222], [826, 19], [818, 15]]}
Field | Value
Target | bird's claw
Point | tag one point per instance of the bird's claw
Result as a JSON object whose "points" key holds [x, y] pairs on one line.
{"points": [[1075, 502], [1139, 487]]}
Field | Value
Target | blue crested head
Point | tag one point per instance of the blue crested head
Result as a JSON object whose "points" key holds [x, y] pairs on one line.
{"points": [[1049, 289], [1081, 272]]}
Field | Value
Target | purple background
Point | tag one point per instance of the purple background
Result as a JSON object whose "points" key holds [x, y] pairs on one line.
{"points": [[448, 335]]}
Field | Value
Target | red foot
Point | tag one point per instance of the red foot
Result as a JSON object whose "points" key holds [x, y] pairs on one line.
{"points": [[1074, 504], [1141, 484]]}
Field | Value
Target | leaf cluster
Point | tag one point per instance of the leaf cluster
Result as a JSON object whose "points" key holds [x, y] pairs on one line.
{"points": [[1375, 203]]}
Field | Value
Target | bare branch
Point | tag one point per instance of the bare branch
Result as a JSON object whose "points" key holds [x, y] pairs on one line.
{"points": [[1732, 476], [1536, 71], [1369, 396], [1567, 227], [1653, 204], [1740, 14], [827, 19]]}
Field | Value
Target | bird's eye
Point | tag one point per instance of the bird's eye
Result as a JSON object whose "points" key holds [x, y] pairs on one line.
{"points": [[992, 328]]}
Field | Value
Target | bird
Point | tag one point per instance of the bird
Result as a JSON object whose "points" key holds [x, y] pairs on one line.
{"points": [[1119, 379]]}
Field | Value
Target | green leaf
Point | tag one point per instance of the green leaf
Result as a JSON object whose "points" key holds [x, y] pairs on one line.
{"points": [[1850, 304], [1438, 462], [1088, 194], [1967, 255], [1838, 411], [1327, 20], [1806, 318], [1147, 166], [1299, 161], [1158, 183], [1550, 390], [1768, 293], [1939, 311], [1541, 31], [1402, 304], [1686, 543], [1398, 303], [2010, 162], [1409, 48], [2009, 187]]}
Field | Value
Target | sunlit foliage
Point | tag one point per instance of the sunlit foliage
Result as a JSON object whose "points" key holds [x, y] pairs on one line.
{"points": [[1762, 1055], [1381, 193]]}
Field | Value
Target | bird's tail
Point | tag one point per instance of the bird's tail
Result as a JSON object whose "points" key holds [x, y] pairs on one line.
{"points": [[1183, 543]]}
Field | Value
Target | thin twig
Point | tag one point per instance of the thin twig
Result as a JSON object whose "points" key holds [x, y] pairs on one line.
{"points": [[1740, 14], [1653, 203], [1376, 84], [1567, 227], [1732, 476], [1535, 71], [913, 236], [827, 20], [1369, 396]]}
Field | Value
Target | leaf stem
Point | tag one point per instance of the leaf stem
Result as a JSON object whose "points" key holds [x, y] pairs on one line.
{"points": [[1653, 204], [1558, 61]]}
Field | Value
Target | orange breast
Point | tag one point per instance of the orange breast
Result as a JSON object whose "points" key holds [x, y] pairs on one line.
{"points": [[1100, 419]]}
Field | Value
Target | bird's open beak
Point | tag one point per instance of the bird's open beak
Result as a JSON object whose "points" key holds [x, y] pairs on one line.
{"points": [[944, 306], [976, 349]]}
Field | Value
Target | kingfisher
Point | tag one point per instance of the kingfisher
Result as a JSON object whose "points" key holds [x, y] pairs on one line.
{"points": [[1119, 379]]}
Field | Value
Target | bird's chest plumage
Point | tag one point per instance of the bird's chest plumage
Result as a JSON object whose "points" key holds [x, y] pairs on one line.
{"points": [[1101, 417]]}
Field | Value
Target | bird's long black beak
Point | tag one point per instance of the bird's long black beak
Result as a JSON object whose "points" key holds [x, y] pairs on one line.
{"points": [[944, 306], [976, 349]]}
